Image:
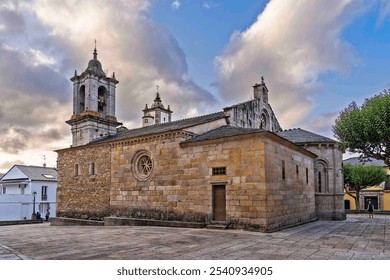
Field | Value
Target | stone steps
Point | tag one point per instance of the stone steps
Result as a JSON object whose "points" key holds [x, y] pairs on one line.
{"points": [[221, 226]]}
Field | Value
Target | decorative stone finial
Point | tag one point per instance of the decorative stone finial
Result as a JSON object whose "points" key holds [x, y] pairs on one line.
{"points": [[94, 51]]}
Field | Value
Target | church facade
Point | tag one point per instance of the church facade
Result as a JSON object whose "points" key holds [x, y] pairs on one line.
{"points": [[235, 167]]}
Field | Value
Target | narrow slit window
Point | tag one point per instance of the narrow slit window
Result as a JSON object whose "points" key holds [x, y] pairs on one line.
{"points": [[319, 182], [76, 170], [307, 176], [283, 170], [92, 168]]}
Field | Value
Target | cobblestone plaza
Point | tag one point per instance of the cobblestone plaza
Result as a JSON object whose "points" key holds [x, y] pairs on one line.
{"points": [[356, 238]]}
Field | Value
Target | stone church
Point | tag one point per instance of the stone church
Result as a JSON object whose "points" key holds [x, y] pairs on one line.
{"points": [[235, 167]]}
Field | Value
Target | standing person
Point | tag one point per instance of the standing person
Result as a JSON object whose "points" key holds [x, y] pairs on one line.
{"points": [[370, 209], [47, 215]]}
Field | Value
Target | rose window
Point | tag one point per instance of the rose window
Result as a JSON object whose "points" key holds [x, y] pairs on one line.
{"points": [[142, 165], [145, 165]]}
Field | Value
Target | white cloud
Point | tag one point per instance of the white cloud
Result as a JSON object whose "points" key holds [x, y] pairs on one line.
{"points": [[38, 61], [5, 166], [175, 5], [290, 44], [139, 51], [322, 124], [39, 58], [206, 5]]}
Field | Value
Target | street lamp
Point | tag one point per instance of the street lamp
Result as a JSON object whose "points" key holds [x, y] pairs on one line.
{"points": [[34, 215]]}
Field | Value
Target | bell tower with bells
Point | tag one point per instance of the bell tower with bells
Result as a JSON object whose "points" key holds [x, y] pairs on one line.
{"points": [[93, 104]]}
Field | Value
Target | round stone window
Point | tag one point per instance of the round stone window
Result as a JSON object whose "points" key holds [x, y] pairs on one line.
{"points": [[142, 165]]}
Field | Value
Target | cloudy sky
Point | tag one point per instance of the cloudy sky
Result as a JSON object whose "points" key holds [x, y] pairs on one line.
{"points": [[316, 57]]}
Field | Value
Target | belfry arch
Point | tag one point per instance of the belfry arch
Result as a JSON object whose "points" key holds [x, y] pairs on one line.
{"points": [[82, 99], [102, 96]]}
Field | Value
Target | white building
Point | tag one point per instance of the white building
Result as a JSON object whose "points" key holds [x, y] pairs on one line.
{"points": [[17, 189]]}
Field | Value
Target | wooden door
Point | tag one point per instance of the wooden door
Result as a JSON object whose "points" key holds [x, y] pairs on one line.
{"points": [[219, 203]]}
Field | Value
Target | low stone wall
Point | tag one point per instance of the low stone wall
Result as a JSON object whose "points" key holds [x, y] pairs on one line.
{"points": [[364, 211], [20, 222], [74, 222], [117, 221]]}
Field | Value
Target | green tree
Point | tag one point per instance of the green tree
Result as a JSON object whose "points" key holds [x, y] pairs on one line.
{"points": [[359, 177], [366, 129]]}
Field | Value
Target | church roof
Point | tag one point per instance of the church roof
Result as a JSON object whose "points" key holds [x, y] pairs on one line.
{"points": [[300, 136], [221, 132], [161, 128]]}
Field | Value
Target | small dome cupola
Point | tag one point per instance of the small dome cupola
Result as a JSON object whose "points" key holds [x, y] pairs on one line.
{"points": [[157, 102], [94, 65]]}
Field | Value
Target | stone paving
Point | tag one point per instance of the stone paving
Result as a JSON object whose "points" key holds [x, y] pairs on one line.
{"points": [[356, 238]]}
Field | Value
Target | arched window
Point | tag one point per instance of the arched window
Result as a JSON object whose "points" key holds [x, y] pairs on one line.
{"points": [[321, 171], [102, 99], [319, 181], [82, 99], [264, 122]]}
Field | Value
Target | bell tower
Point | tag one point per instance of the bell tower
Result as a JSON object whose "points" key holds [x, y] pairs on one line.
{"points": [[93, 104], [157, 113], [260, 91]]}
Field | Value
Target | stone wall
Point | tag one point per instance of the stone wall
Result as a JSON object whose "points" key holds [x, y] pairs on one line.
{"points": [[249, 114], [330, 206], [84, 195], [290, 196], [181, 185], [330, 199], [176, 189]]}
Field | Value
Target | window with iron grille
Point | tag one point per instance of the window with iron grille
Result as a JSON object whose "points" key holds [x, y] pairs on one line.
{"points": [[219, 171]]}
